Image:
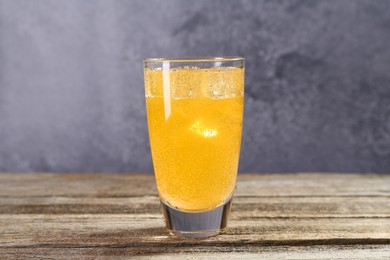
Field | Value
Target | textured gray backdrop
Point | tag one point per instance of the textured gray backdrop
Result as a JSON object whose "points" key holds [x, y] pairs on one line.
{"points": [[317, 80]]}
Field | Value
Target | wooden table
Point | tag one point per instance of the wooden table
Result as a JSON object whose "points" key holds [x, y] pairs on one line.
{"points": [[279, 216]]}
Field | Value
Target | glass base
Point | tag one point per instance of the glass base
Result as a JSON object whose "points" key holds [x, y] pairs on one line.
{"points": [[196, 224]]}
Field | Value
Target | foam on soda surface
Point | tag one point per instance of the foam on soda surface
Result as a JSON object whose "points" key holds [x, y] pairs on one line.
{"points": [[193, 82]]}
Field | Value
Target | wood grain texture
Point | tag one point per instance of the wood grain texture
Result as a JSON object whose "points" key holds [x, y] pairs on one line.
{"points": [[282, 216]]}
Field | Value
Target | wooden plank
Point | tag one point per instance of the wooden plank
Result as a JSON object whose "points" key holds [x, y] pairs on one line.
{"points": [[136, 230], [127, 185], [313, 184], [243, 207], [76, 185], [366, 252]]}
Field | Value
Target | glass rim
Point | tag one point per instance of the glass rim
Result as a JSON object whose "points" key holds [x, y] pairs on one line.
{"points": [[196, 59]]}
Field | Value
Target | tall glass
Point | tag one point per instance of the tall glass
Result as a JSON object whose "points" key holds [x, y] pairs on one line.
{"points": [[194, 109]]}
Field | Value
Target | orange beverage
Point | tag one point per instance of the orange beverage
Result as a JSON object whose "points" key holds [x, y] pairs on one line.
{"points": [[195, 122]]}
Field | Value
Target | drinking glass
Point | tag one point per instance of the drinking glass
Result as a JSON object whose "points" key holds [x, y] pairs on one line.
{"points": [[194, 110]]}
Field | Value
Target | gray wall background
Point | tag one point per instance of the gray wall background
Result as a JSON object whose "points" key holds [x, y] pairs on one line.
{"points": [[317, 80]]}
